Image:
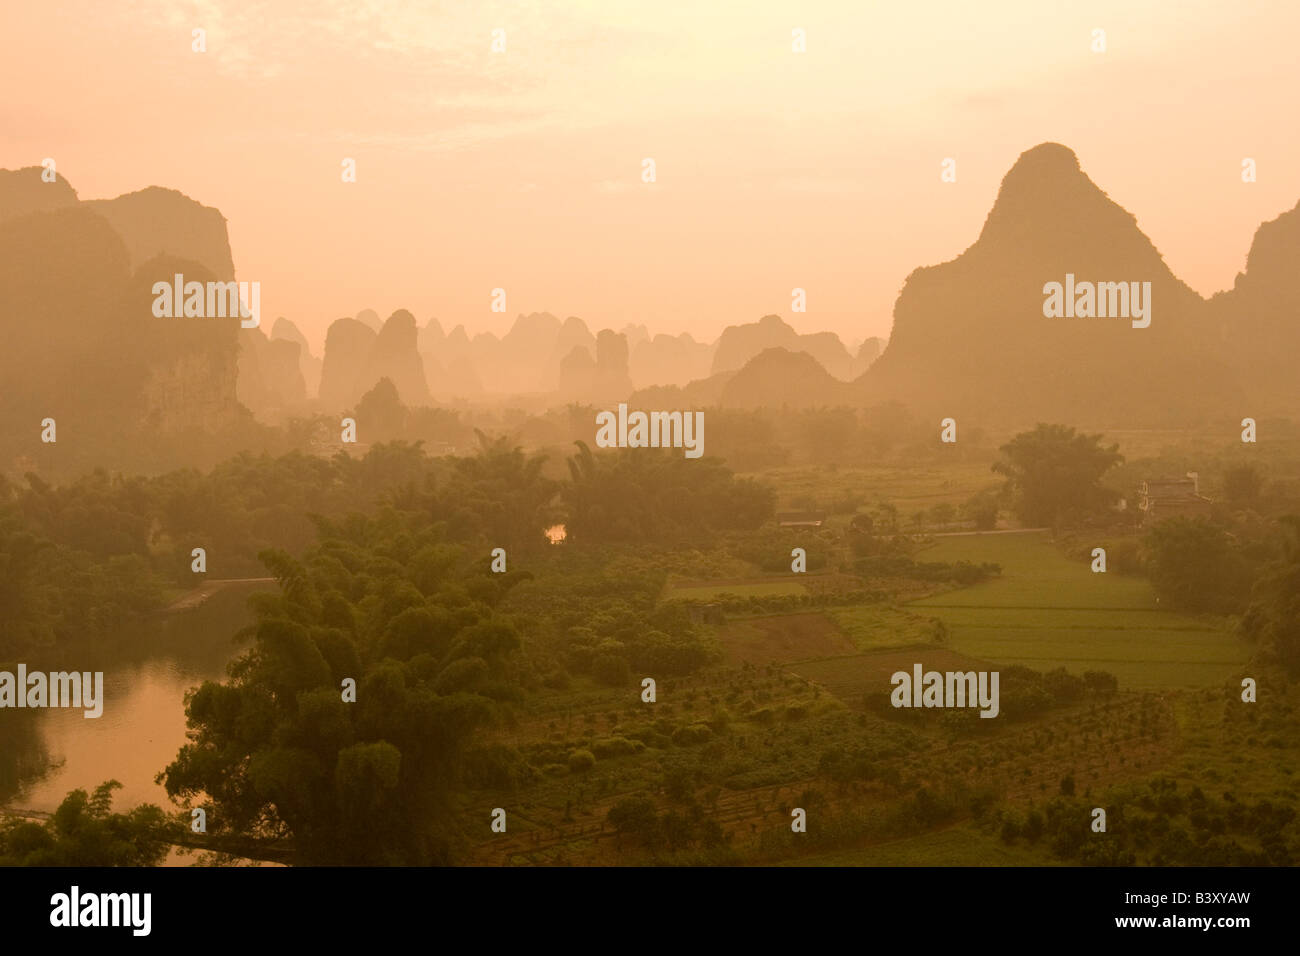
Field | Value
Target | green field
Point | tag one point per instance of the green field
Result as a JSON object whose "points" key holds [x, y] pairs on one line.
{"points": [[872, 626], [1034, 574], [1046, 611]]}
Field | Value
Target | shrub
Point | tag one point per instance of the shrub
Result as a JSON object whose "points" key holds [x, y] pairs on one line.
{"points": [[1123, 555], [581, 761], [556, 680], [610, 670], [497, 766], [1063, 685], [634, 815], [1102, 683], [606, 747], [1194, 566], [694, 734]]}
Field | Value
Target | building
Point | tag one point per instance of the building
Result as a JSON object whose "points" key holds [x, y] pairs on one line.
{"points": [[1170, 497]]}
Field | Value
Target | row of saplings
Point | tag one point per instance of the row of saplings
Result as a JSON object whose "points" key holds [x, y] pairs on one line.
{"points": [[1024, 693], [1157, 824]]}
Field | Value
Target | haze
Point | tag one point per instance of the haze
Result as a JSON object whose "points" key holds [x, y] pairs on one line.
{"points": [[775, 169]]}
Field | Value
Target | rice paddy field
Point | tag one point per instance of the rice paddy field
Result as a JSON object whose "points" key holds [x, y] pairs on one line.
{"points": [[1046, 610]]}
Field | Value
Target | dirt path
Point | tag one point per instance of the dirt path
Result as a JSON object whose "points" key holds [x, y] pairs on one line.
{"points": [[192, 599]]}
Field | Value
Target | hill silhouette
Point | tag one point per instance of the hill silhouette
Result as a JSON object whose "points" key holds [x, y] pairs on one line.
{"points": [[740, 343], [668, 360], [157, 221], [970, 337], [357, 358], [868, 352], [347, 349], [1258, 320], [83, 347], [270, 382], [394, 356], [22, 192], [308, 364], [778, 378]]}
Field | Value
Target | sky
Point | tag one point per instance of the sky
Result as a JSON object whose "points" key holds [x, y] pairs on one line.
{"points": [[775, 169]]}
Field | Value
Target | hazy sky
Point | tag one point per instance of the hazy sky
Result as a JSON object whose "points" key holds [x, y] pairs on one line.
{"points": [[775, 169]]}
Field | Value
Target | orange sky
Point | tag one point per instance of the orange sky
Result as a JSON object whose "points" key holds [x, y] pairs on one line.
{"points": [[775, 169]]}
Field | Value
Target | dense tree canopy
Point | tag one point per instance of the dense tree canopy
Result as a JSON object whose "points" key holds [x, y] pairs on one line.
{"points": [[387, 603], [1273, 617], [1054, 473], [1193, 565], [644, 495], [84, 831]]}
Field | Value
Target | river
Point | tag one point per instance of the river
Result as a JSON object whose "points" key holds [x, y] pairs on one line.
{"points": [[147, 670]]}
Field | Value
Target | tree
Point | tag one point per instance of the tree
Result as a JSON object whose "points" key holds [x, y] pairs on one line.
{"points": [[943, 514], [1242, 484], [884, 517], [380, 414], [643, 495], [1193, 566], [279, 750], [499, 495], [1273, 617], [610, 669], [982, 508], [84, 832], [635, 816], [1054, 474], [581, 761]]}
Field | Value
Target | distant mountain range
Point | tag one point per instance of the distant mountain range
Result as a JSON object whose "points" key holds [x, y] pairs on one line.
{"points": [[971, 339]]}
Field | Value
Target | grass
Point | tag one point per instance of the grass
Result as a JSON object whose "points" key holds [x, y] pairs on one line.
{"points": [[1034, 574], [875, 626], [1047, 611]]}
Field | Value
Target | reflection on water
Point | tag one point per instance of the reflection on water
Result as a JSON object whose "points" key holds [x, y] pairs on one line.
{"points": [[22, 750], [142, 728], [147, 670]]}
